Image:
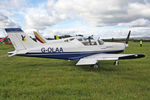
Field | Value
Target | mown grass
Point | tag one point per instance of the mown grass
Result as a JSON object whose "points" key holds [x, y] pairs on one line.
{"points": [[26, 78]]}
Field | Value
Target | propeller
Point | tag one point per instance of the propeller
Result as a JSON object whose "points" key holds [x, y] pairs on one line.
{"points": [[127, 39]]}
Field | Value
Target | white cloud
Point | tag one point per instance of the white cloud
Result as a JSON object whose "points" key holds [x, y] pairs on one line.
{"points": [[40, 18], [104, 13], [13, 3], [99, 32], [7, 12], [96, 13], [137, 23], [6, 22]]}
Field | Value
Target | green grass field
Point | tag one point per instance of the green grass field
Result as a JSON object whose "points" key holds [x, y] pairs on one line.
{"points": [[26, 78]]}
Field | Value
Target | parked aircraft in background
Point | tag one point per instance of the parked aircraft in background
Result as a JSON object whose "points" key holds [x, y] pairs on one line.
{"points": [[87, 51], [5, 40], [39, 38]]}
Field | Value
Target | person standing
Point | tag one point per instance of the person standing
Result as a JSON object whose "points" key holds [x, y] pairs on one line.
{"points": [[141, 43]]}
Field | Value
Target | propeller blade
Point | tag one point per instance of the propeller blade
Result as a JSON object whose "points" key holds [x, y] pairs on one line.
{"points": [[127, 39]]}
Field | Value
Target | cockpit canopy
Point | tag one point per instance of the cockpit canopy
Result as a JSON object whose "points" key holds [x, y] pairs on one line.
{"points": [[90, 41], [86, 41]]}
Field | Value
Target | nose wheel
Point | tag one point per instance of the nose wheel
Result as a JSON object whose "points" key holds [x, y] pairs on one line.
{"points": [[116, 63]]}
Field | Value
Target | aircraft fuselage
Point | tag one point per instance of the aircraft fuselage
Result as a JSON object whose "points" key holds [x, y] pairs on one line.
{"points": [[73, 50]]}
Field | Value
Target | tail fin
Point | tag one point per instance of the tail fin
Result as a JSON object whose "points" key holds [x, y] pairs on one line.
{"points": [[39, 38], [20, 40], [127, 39], [57, 38]]}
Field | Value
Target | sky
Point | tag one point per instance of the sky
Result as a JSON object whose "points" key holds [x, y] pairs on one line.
{"points": [[101, 18]]}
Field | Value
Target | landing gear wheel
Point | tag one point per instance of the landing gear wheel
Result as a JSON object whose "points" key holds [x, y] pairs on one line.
{"points": [[116, 63], [94, 66]]}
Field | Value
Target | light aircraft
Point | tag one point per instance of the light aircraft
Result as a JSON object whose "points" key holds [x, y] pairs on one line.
{"points": [[5, 40], [85, 51]]}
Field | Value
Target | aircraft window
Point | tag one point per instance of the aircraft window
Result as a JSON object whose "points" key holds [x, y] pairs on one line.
{"points": [[80, 39], [86, 43]]}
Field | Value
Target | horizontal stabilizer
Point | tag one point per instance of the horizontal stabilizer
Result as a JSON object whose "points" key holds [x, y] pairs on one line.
{"points": [[13, 53]]}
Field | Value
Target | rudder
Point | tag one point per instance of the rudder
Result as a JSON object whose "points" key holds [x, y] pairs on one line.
{"points": [[20, 40]]}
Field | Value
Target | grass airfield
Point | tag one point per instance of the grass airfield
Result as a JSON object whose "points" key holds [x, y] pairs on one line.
{"points": [[26, 78]]}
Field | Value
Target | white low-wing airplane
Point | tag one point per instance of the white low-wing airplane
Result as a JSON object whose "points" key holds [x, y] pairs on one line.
{"points": [[85, 51]]}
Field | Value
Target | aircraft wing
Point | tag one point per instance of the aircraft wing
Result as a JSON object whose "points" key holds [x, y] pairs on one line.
{"points": [[93, 59]]}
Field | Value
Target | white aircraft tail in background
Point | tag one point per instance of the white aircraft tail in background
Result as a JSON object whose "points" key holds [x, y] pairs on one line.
{"points": [[39, 38]]}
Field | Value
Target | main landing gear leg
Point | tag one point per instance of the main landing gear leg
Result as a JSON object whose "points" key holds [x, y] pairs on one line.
{"points": [[116, 63]]}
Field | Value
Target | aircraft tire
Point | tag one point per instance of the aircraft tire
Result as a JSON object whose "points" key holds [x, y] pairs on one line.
{"points": [[116, 63], [94, 66]]}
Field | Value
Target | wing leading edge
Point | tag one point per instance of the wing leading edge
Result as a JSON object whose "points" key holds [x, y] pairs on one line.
{"points": [[93, 59]]}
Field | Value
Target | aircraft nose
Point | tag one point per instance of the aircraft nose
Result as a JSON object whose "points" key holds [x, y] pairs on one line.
{"points": [[123, 45], [126, 45]]}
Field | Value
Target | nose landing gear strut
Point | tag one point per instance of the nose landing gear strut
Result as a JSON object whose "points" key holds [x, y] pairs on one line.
{"points": [[116, 63]]}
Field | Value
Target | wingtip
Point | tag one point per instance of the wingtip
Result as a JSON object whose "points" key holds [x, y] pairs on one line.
{"points": [[134, 56], [140, 55]]}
